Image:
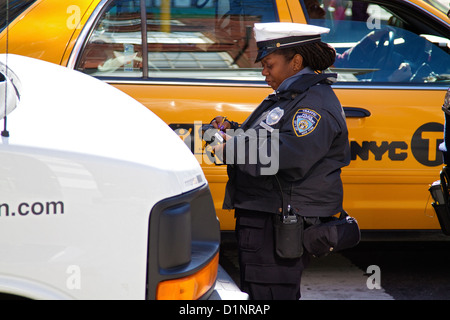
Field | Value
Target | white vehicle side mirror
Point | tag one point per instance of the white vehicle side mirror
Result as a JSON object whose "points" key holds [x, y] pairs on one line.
{"points": [[7, 88]]}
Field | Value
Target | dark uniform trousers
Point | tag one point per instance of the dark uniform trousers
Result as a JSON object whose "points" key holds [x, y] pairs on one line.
{"points": [[264, 275]]}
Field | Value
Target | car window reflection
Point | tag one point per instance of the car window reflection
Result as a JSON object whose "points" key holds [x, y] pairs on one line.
{"points": [[375, 44], [185, 40]]}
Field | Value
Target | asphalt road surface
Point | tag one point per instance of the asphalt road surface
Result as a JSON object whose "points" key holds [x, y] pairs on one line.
{"points": [[390, 267]]}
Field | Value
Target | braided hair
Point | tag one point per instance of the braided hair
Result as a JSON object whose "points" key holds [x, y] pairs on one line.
{"points": [[318, 55]]}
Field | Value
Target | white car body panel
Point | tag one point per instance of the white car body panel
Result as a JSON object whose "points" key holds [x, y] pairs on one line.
{"points": [[74, 218]]}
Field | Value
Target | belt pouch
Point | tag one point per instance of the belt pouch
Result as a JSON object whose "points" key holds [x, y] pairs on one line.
{"points": [[288, 238], [335, 235]]}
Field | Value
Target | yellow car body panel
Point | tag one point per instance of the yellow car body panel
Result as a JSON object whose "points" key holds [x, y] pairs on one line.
{"points": [[399, 186], [385, 186], [47, 30]]}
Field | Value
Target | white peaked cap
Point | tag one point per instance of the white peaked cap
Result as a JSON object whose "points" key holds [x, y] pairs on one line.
{"points": [[275, 35], [277, 30]]}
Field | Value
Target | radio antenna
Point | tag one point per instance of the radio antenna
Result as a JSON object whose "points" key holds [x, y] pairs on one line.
{"points": [[5, 133]]}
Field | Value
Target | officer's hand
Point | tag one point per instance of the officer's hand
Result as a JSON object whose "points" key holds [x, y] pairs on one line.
{"points": [[220, 123], [218, 151]]}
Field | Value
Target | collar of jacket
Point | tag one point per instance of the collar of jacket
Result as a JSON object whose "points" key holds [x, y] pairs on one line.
{"points": [[303, 83]]}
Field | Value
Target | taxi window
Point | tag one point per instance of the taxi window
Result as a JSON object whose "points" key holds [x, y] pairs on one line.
{"points": [[184, 39], [383, 43], [115, 45]]}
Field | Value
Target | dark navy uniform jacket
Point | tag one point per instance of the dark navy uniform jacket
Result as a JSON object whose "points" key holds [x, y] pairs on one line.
{"points": [[306, 161]]}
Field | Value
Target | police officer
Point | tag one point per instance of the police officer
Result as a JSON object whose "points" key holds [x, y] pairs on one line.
{"points": [[303, 130]]}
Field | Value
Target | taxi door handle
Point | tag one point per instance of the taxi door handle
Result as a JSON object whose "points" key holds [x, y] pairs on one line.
{"points": [[352, 112]]}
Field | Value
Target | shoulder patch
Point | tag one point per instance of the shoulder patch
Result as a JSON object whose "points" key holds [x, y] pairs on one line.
{"points": [[305, 121]]}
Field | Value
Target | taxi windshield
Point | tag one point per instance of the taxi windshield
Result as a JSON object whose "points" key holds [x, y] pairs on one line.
{"points": [[441, 5], [15, 8]]}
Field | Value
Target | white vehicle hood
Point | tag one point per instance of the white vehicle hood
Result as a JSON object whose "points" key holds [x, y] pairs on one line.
{"points": [[59, 109]]}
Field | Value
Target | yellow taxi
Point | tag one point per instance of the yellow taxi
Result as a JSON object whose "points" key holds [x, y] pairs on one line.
{"points": [[191, 60]]}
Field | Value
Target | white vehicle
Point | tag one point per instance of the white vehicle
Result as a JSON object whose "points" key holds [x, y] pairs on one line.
{"points": [[99, 199]]}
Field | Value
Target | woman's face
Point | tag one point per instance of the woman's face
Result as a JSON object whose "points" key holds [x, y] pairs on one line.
{"points": [[276, 68]]}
